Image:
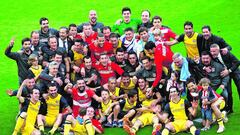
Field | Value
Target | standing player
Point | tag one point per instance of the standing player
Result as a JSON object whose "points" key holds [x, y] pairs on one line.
{"points": [[162, 57], [29, 111]]}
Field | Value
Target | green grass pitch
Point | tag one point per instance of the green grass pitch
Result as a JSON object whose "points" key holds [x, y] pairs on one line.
{"points": [[19, 18]]}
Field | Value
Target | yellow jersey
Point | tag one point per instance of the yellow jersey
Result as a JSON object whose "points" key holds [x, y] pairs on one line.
{"points": [[36, 71], [178, 110], [104, 107], [191, 45], [141, 95], [127, 106], [127, 88]]}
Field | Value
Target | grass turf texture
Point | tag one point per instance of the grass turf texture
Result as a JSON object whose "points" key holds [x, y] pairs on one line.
{"points": [[19, 18]]}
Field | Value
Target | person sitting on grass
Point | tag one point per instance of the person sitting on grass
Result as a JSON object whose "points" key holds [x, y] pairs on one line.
{"points": [[146, 117], [86, 125], [177, 107], [29, 111], [108, 108]]}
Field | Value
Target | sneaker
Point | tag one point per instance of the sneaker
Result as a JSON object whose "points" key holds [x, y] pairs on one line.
{"points": [[120, 124], [225, 118], [156, 129], [108, 125], [205, 128], [197, 132], [220, 129], [129, 130], [114, 124]]}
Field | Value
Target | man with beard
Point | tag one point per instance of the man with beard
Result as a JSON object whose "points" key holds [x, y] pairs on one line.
{"points": [[126, 83], [52, 114], [127, 22], [119, 58], [96, 26], [99, 47], [21, 57], [115, 41], [212, 70], [106, 30], [209, 39], [35, 44], [82, 97], [45, 31], [191, 39]]}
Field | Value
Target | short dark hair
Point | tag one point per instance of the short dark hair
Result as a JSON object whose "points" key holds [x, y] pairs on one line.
{"points": [[125, 74], [34, 31], [72, 25], [126, 9], [86, 57], [205, 53], [149, 45], [52, 36], [105, 90], [206, 27], [188, 23], [129, 29], [146, 58], [131, 93], [189, 80], [52, 84], [25, 40], [43, 19], [113, 35], [119, 50], [106, 27], [142, 29], [100, 35], [156, 18], [78, 40]]}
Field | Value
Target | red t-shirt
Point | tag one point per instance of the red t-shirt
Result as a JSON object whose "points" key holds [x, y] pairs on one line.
{"points": [[96, 50], [81, 100], [108, 71], [162, 57]]}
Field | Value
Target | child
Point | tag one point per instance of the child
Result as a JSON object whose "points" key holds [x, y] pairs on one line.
{"points": [[207, 97], [175, 81], [108, 108], [35, 69]]}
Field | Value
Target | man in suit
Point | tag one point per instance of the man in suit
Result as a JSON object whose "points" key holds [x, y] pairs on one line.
{"points": [[64, 41], [231, 64]]}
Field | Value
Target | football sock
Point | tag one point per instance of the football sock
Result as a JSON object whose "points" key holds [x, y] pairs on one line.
{"points": [[192, 130], [19, 125], [89, 127], [67, 127], [220, 122], [165, 131]]}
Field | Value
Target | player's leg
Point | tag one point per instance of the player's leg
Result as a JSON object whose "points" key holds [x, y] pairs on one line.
{"points": [[56, 124], [215, 107], [88, 125], [70, 122], [156, 125], [20, 121], [116, 111], [192, 128], [168, 127], [40, 121], [36, 132]]}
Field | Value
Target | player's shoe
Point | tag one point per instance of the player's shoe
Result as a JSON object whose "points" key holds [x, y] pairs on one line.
{"points": [[156, 129], [220, 129]]}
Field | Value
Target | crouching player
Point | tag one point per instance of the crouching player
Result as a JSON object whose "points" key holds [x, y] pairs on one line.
{"points": [[85, 125], [147, 116], [178, 107], [108, 108], [29, 111]]}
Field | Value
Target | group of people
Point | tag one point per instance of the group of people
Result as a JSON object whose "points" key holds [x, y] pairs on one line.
{"points": [[84, 77]]}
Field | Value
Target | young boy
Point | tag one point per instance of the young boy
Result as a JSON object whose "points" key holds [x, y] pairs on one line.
{"points": [[108, 108]]}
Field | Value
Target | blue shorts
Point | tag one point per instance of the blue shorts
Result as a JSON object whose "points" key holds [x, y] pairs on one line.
{"points": [[206, 114]]}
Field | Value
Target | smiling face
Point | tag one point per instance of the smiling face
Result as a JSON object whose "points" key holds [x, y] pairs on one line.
{"points": [[93, 16], [35, 38], [35, 94], [145, 16], [144, 36], [126, 16], [52, 91], [141, 83], [157, 23], [206, 60], [188, 30], [206, 33], [44, 26], [105, 95]]}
